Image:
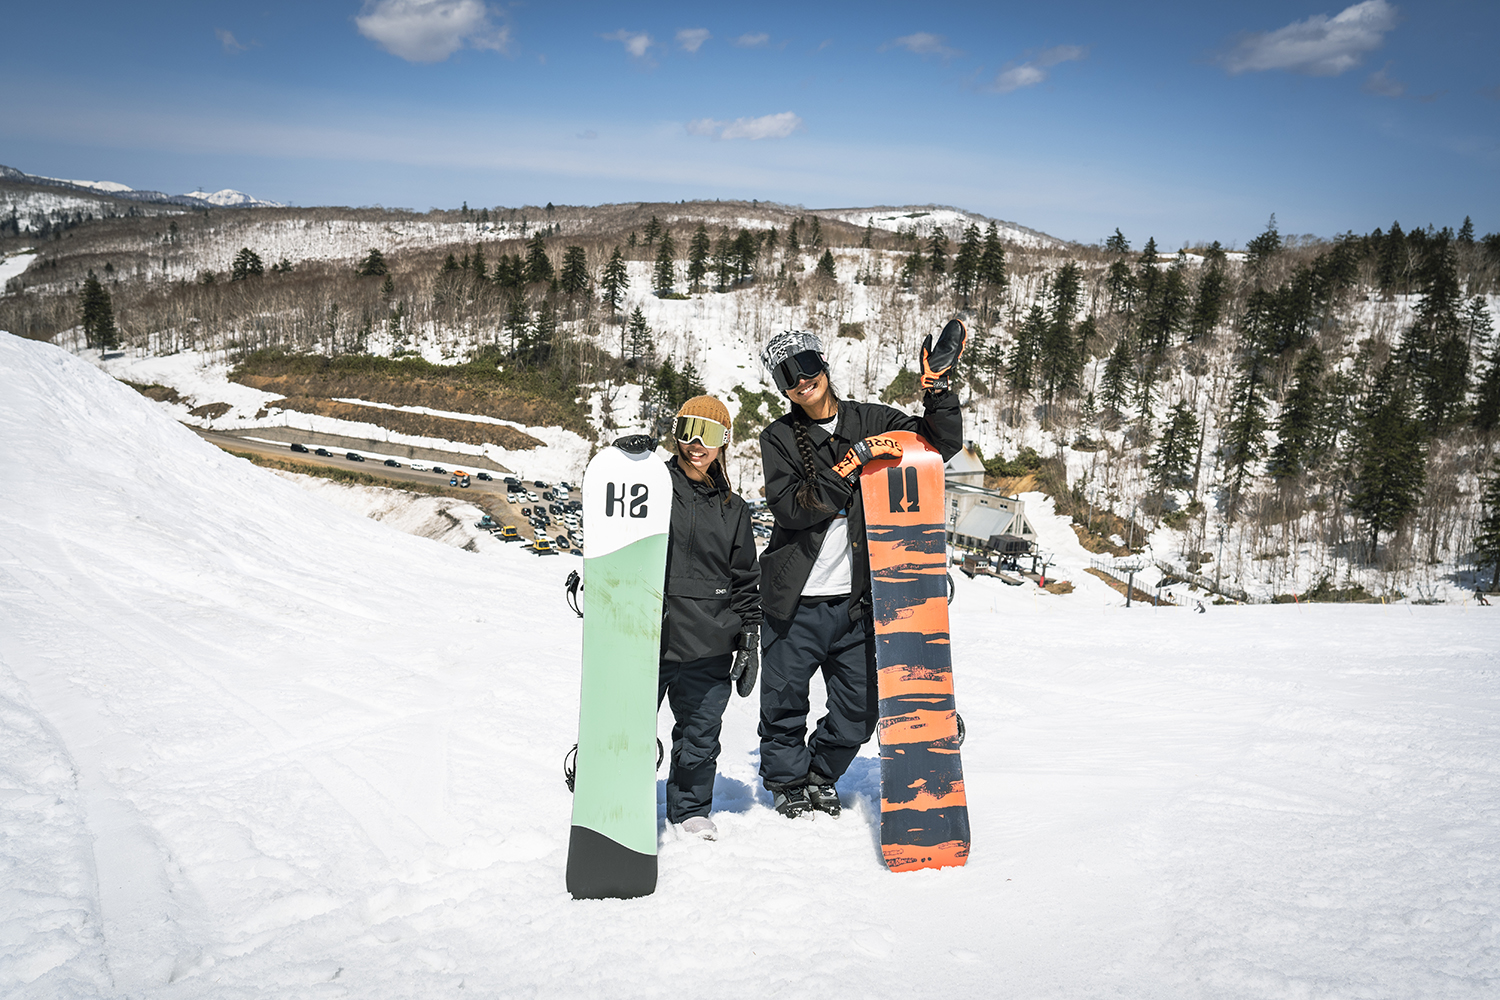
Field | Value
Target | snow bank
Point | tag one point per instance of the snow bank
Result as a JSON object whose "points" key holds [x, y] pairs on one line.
{"points": [[254, 745]]}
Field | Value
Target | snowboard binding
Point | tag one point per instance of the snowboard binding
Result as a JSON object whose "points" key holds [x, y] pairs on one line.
{"points": [[636, 444]]}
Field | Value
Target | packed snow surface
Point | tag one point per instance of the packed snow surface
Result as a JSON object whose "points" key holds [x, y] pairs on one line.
{"points": [[253, 744]]}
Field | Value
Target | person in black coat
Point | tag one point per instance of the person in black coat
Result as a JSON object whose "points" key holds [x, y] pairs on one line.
{"points": [[711, 612], [816, 570]]}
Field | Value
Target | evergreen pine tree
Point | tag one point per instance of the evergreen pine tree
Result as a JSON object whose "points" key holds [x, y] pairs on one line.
{"points": [[387, 287], [793, 244], [1170, 307], [543, 336], [698, 252], [574, 279], [1208, 305], [1487, 533], [867, 241], [1171, 465], [1391, 267], [1390, 461], [724, 267], [247, 264], [1117, 243], [1298, 429], [825, 268], [937, 252], [641, 347], [1021, 368], [1466, 233], [373, 266], [1259, 251], [98, 315], [1245, 434], [479, 266], [538, 264], [689, 383], [1435, 347], [966, 263], [746, 252], [616, 280], [1120, 284], [1147, 275], [815, 234], [518, 326], [450, 265], [666, 265], [652, 232], [1115, 386]]}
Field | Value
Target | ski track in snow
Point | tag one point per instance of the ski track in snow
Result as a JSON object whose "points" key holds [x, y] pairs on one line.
{"points": [[253, 744]]}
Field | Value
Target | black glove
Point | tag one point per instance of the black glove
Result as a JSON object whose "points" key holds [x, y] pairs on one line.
{"points": [[867, 450], [746, 664], [938, 361]]}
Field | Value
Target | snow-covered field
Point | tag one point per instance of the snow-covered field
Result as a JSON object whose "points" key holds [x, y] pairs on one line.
{"points": [[253, 745]]}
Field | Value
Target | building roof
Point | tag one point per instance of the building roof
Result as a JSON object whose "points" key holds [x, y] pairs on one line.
{"points": [[983, 522]]}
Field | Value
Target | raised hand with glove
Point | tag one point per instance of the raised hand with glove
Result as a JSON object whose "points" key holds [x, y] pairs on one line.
{"points": [[746, 663], [939, 359], [873, 447]]}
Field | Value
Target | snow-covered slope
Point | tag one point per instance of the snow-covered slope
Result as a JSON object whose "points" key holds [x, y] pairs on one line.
{"points": [[921, 220], [252, 745]]}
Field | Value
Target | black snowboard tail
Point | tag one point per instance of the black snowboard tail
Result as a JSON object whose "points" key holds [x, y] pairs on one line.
{"points": [[599, 868]]}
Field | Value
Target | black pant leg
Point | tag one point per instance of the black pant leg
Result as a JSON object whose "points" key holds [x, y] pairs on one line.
{"points": [[853, 698], [698, 695], [790, 653]]}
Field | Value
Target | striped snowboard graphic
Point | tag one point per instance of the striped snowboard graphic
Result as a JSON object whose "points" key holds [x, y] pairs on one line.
{"points": [[924, 817], [627, 503]]}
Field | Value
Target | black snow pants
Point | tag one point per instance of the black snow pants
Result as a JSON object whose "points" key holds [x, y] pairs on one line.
{"points": [[698, 692], [820, 636]]}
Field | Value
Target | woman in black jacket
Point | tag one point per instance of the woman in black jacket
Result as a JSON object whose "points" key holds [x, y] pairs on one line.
{"points": [[816, 569], [711, 614]]}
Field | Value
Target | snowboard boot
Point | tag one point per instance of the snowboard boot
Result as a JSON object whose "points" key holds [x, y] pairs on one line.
{"points": [[701, 827], [822, 795], [790, 799]]}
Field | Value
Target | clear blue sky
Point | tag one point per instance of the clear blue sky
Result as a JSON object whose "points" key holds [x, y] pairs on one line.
{"points": [[1186, 121]]}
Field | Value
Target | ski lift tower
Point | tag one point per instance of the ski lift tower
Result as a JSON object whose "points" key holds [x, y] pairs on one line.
{"points": [[1131, 566]]}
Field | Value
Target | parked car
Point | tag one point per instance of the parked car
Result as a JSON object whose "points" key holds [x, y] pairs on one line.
{"points": [[324, 452], [463, 482], [526, 512], [393, 463], [300, 447], [418, 467], [484, 477], [354, 456], [453, 481], [511, 498], [440, 470], [533, 497]]}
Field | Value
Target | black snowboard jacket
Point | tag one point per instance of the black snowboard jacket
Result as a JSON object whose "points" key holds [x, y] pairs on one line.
{"points": [[713, 578], [799, 531]]}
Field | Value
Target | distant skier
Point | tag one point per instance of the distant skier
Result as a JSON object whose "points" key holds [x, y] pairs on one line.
{"points": [[816, 569], [1479, 596], [711, 613]]}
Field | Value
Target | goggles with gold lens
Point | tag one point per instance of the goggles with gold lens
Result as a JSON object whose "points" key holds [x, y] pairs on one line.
{"points": [[712, 433]]}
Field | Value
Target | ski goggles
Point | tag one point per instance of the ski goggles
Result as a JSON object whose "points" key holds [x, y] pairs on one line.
{"points": [[802, 365], [712, 433]]}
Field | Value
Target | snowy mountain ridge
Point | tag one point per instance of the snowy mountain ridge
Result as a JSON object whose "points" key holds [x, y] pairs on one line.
{"points": [[227, 198]]}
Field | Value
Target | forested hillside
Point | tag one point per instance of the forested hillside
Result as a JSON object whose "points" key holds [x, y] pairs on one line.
{"points": [[1298, 415]]}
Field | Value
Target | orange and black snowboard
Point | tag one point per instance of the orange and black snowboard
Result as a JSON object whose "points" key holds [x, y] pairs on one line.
{"points": [[924, 818]]}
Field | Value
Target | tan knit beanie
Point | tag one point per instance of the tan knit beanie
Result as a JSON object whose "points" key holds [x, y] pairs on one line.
{"points": [[706, 406]]}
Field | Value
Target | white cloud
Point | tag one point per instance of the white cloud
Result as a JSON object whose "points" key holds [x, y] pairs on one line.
{"points": [[230, 43], [777, 126], [1034, 70], [430, 30], [923, 44], [1384, 85], [637, 43], [753, 41], [692, 39], [1319, 46]]}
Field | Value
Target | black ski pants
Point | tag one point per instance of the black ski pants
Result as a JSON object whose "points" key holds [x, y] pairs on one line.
{"points": [[698, 692], [819, 636]]}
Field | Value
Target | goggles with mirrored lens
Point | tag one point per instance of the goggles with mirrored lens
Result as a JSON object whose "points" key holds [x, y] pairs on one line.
{"points": [[712, 433], [802, 365]]}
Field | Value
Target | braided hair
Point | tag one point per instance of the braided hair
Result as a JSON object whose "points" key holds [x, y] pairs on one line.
{"points": [[807, 494]]}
